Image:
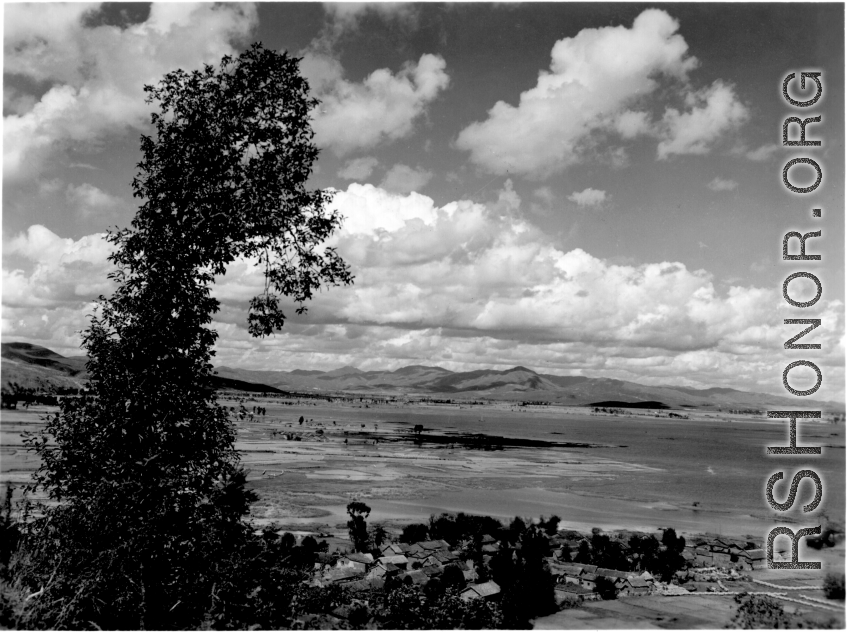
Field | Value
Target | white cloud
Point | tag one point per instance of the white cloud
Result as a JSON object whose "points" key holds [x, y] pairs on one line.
{"points": [[594, 79], [760, 154], [98, 73], [720, 184], [382, 108], [631, 124], [358, 169], [711, 113], [405, 179], [467, 285], [346, 17], [89, 201], [61, 270], [588, 197]]}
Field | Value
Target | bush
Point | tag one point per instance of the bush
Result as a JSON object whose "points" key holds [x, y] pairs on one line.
{"points": [[833, 586], [757, 612]]}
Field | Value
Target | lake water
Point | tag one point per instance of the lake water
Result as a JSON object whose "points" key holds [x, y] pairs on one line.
{"points": [[722, 466]]}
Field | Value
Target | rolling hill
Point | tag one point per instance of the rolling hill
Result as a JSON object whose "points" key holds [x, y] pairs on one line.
{"points": [[37, 367]]}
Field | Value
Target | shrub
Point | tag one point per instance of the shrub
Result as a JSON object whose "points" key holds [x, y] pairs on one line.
{"points": [[833, 586]]}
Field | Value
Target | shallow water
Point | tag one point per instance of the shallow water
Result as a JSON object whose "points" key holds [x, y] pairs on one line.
{"points": [[719, 465]]}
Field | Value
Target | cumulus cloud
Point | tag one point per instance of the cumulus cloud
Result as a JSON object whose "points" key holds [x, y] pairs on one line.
{"points": [[588, 197], [467, 285], [594, 79], [721, 184], [61, 270], [97, 73], [599, 83], [711, 113], [405, 179], [383, 107], [89, 201], [358, 169]]}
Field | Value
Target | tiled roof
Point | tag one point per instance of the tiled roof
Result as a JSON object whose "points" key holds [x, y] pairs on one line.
{"points": [[418, 577], [485, 590], [340, 574], [362, 558]]}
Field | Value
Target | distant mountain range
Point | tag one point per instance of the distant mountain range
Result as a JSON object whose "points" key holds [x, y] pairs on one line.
{"points": [[37, 367]]}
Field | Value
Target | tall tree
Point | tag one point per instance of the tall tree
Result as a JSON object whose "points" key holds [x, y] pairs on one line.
{"points": [[357, 526], [147, 462]]}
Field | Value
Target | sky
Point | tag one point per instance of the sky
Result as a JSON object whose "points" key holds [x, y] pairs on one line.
{"points": [[580, 188]]}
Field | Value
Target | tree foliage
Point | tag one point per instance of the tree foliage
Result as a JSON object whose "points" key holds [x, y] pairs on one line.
{"points": [[833, 586], [756, 612], [357, 527], [147, 461], [403, 609]]}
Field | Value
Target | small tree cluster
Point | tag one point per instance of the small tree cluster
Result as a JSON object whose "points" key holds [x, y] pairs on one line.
{"points": [[756, 612]]}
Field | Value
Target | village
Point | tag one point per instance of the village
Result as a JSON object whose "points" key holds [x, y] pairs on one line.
{"points": [[710, 565]]}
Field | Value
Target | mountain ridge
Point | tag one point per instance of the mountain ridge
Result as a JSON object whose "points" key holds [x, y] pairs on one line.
{"points": [[38, 367]]}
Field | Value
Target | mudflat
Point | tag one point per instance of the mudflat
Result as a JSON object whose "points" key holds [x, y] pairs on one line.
{"points": [[642, 469], [638, 469]]}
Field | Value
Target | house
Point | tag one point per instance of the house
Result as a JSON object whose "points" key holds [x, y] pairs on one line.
{"points": [[574, 593], [391, 548], [418, 578], [612, 574], [753, 559], [446, 556], [470, 575], [400, 561], [703, 556], [433, 571], [588, 580], [358, 561], [358, 558], [487, 590], [422, 549], [341, 575], [571, 570], [491, 549], [487, 539], [635, 587], [417, 551], [383, 570], [431, 560]]}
